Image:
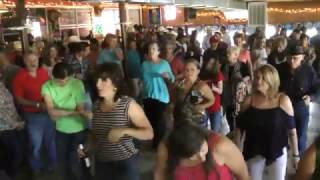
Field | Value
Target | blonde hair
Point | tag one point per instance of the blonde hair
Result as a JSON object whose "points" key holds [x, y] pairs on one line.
{"points": [[233, 49], [271, 77]]}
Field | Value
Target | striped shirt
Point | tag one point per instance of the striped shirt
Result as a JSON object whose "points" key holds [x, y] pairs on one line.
{"points": [[103, 123]]}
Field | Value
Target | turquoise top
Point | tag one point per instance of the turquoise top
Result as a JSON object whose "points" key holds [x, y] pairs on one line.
{"points": [[107, 55], [134, 64], [154, 86]]}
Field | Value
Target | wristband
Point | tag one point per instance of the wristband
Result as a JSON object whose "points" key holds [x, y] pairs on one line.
{"points": [[295, 156]]}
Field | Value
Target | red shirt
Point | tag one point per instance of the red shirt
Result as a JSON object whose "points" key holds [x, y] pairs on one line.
{"points": [[217, 97], [198, 173], [177, 66], [28, 87]]}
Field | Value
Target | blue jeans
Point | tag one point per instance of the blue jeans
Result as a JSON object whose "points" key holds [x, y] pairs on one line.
{"points": [[69, 161], [301, 113], [41, 131], [215, 120], [127, 169]]}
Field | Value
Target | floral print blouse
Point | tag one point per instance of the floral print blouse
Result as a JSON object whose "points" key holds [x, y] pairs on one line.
{"points": [[8, 112]]}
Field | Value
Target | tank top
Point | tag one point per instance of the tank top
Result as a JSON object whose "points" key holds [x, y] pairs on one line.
{"points": [[221, 172], [103, 123], [187, 100], [266, 132]]}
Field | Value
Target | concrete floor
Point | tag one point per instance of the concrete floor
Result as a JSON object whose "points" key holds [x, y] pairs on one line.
{"points": [[147, 162], [148, 157]]}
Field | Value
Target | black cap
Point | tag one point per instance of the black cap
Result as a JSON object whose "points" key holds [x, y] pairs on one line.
{"points": [[296, 50]]}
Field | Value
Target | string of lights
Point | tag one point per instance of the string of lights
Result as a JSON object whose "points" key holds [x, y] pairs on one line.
{"points": [[222, 17], [48, 4], [294, 11]]}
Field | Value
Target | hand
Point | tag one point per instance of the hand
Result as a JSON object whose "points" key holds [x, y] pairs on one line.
{"points": [[86, 114], [199, 108], [295, 162], [119, 54], [78, 76], [214, 88], [246, 79], [116, 134], [82, 153], [165, 75], [306, 99], [43, 106], [18, 125]]}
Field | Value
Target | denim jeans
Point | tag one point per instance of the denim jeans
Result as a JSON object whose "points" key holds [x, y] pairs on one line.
{"points": [[69, 161], [215, 120], [127, 169], [301, 114], [41, 131], [10, 152]]}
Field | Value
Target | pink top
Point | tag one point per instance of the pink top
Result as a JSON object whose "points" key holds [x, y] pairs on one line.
{"points": [[198, 173], [244, 56]]}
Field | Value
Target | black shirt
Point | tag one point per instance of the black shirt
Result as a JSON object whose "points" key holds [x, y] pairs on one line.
{"points": [[266, 132], [303, 81], [276, 58], [219, 53]]}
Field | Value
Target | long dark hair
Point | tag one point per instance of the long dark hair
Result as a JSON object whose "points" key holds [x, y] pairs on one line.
{"points": [[206, 74], [184, 142]]}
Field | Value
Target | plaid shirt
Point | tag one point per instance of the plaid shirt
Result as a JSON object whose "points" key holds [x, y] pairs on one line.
{"points": [[80, 69]]}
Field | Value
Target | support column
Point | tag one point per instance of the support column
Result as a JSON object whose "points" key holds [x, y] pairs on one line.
{"points": [[123, 26], [123, 23], [258, 15], [22, 15]]}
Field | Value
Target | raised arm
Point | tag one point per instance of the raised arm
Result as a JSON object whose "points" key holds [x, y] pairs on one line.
{"points": [[307, 164], [231, 156], [142, 129], [206, 92]]}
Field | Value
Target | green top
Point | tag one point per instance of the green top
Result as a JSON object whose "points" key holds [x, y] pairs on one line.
{"points": [[66, 97]]}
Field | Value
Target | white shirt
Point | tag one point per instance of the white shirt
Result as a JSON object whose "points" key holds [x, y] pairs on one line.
{"points": [[206, 43], [227, 39]]}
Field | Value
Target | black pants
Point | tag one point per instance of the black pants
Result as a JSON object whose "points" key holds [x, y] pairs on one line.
{"points": [[70, 163], [155, 110], [127, 169], [230, 115], [10, 152]]}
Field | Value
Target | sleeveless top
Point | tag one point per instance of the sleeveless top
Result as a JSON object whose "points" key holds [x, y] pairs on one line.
{"points": [[266, 132], [103, 123], [187, 101], [221, 172]]}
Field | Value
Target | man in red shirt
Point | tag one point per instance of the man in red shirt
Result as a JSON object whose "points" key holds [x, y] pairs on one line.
{"points": [[27, 92]]}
